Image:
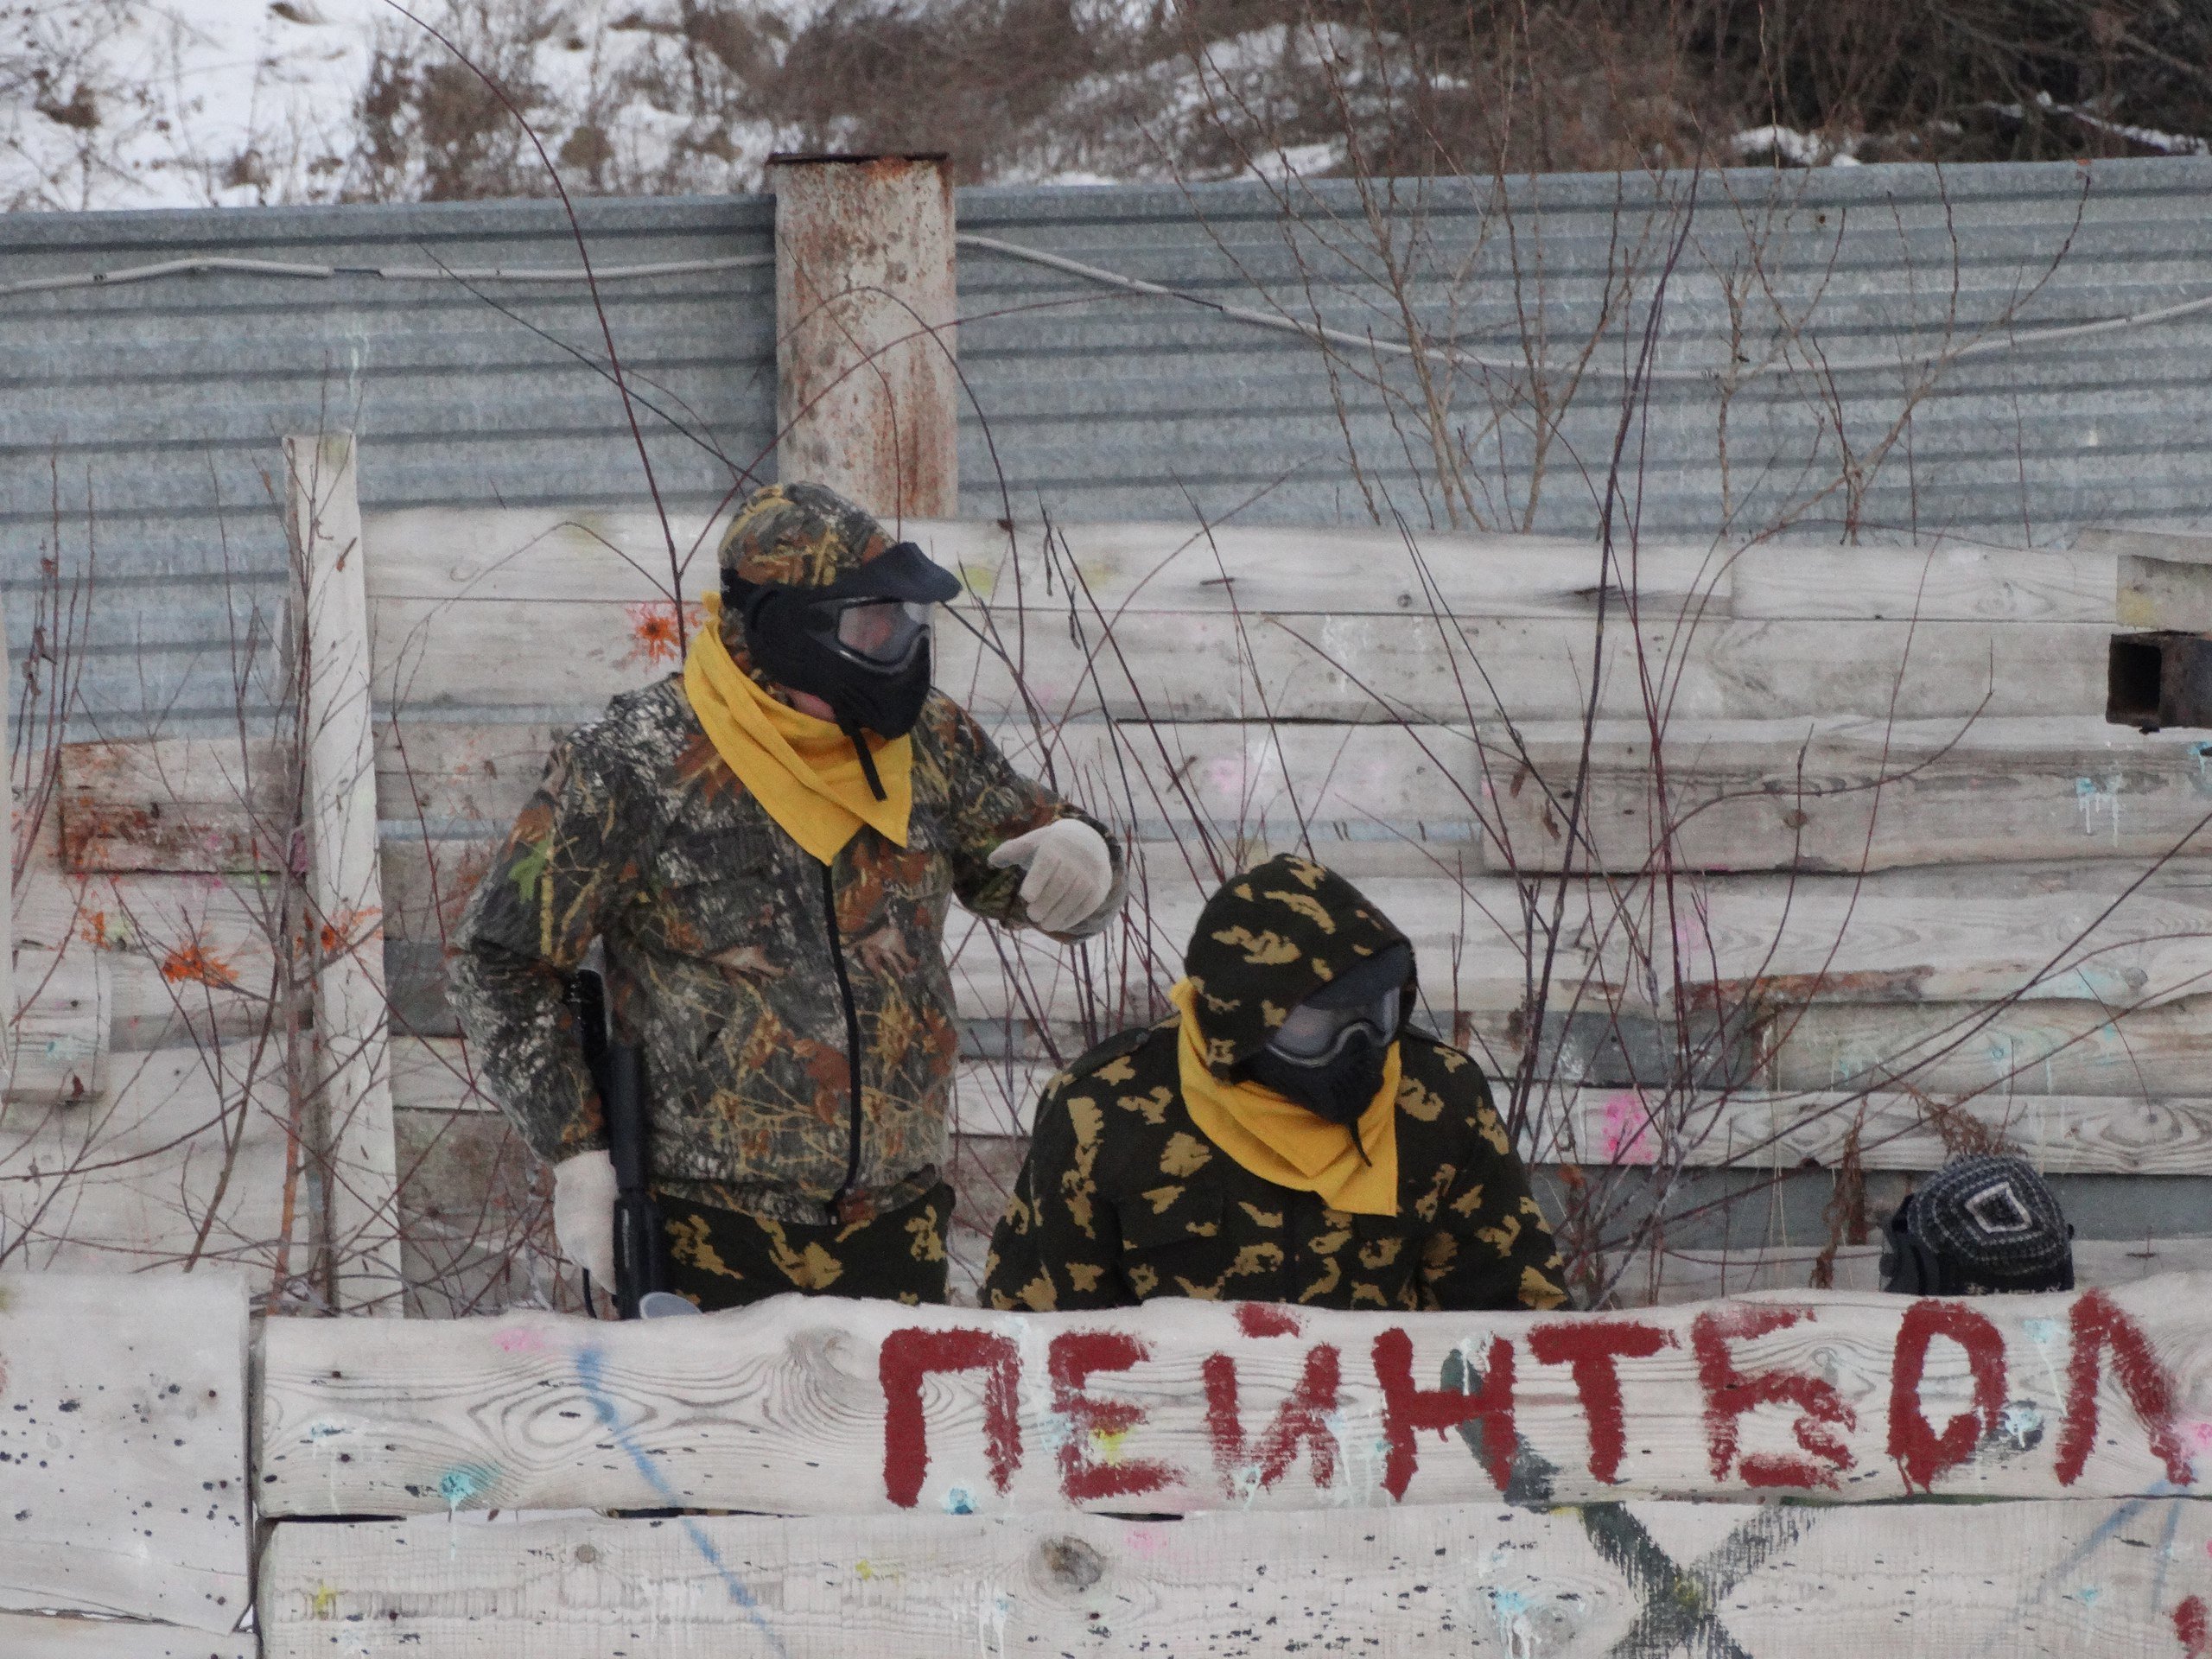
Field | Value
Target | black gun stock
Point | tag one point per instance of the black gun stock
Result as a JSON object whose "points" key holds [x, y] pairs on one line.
{"points": [[618, 1072]]}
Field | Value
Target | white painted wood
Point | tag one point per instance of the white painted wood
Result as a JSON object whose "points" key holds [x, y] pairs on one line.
{"points": [[2023, 1048], [1888, 939], [58, 1046], [2044, 1580], [438, 657], [9, 1041], [1127, 568], [782, 1407], [868, 393], [1945, 583], [344, 883], [32, 1636], [1671, 1278], [2069, 1135], [2060, 1135], [1742, 794], [123, 1414], [173, 805], [181, 1161]]}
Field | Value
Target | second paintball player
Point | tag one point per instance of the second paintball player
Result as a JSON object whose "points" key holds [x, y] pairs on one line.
{"points": [[767, 844], [1286, 1136]]}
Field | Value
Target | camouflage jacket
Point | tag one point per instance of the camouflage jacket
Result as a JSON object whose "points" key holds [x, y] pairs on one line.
{"points": [[723, 964], [1122, 1199]]}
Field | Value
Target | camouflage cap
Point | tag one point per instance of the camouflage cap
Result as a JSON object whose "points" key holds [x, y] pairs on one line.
{"points": [[1266, 941], [799, 535]]}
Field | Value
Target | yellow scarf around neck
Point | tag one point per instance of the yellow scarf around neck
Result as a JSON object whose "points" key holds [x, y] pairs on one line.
{"points": [[1279, 1141], [802, 770]]}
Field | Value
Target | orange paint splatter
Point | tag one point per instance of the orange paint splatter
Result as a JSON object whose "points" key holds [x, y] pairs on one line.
{"points": [[654, 636], [97, 931], [346, 929], [189, 961]]}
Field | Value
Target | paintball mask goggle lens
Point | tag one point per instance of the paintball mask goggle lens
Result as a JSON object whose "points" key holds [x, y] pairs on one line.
{"points": [[1371, 997], [883, 631]]}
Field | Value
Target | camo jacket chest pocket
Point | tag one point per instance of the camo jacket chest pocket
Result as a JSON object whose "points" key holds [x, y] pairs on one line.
{"points": [[1172, 1233], [1384, 1253], [714, 890]]}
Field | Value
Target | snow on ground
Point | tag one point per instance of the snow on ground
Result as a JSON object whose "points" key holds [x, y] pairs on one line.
{"points": [[112, 104]]}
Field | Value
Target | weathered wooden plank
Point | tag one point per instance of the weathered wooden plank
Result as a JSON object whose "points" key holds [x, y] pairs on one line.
{"points": [[58, 1042], [173, 805], [1118, 568], [1946, 582], [2163, 578], [1923, 1582], [1740, 796], [2070, 1134], [343, 882], [32, 1636], [439, 658], [124, 1431], [2021, 1048], [182, 1159], [1825, 939], [1671, 1278], [818, 1406]]}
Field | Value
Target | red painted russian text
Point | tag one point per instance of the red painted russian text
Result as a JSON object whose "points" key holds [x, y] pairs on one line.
{"points": [[910, 1355], [1408, 1409], [1073, 1358], [1921, 1452], [1730, 1393], [1595, 1348], [1302, 1420], [2098, 1324]]}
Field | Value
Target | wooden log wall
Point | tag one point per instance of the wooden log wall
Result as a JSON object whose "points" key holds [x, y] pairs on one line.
{"points": [[125, 1520], [1193, 1478], [1903, 839], [1909, 836], [1184, 1477]]}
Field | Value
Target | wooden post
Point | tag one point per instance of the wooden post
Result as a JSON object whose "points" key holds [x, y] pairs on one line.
{"points": [[7, 876], [867, 400], [345, 886]]}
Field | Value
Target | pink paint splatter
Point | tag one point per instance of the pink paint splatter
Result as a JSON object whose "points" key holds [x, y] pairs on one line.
{"points": [[524, 1339], [1628, 1130], [1144, 1540]]}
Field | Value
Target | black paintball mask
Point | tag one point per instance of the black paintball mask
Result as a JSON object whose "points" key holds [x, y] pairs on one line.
{"points": [[862, 644], [1981, 1225], [1328, 1053]]}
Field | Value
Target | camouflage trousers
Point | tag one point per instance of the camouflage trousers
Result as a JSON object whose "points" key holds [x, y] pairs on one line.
{"points": [[725, 1258]]}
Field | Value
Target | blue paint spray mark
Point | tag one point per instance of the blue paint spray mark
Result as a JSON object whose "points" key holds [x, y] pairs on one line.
{"points": [[458, 1485], [2165, 1556], [590, 1372], [959, 1501]]}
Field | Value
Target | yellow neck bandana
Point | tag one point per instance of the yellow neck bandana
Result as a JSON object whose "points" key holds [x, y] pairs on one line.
{"points": [[802, 770], [1279, 1141]]}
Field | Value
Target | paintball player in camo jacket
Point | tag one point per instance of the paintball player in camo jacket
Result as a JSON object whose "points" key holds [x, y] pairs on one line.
{"points": [[1286, 1137], [767, 844]]}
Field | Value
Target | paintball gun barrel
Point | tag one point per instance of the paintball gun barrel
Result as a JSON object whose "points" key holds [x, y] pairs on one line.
{"points": [[618, 1071]]}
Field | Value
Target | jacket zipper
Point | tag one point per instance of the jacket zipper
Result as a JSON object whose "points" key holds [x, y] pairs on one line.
{"points": [[852, 1043]]}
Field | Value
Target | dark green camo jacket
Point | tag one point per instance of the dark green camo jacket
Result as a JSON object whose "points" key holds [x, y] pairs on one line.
{"points": [[720, 958], [1123, 1197]]}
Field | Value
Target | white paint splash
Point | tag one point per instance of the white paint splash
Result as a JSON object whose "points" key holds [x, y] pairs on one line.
{"points": [[2099, 801]]}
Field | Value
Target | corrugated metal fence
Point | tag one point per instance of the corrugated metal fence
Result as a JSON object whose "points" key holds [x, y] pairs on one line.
{"points": [[142, 419]]}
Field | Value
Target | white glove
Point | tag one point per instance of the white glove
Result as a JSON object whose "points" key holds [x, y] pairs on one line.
{"points": [[1071, 872], [583, 1213]]}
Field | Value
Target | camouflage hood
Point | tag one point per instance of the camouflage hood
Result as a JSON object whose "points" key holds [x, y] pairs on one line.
{"points": [[799, 535], [1269, 939]]}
